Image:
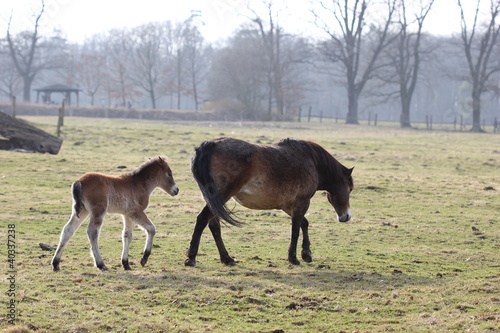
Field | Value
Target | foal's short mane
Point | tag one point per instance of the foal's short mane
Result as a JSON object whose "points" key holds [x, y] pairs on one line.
{"points": [[326, 164], [145, 166]]}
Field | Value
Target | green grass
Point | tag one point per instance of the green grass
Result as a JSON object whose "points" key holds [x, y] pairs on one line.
{"points": [[420, 255]]}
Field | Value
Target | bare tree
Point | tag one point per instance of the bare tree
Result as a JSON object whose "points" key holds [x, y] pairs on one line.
{"points": [[23, 52], [91, 73], [408, 56], [349, 42], [271, 35], [196, 62], [118, 56], [10, 81], [146, 59], [237, 77], [479, 46]]}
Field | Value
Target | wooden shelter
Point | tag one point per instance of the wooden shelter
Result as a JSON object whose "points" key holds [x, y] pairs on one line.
{"points": [[57, 88]]}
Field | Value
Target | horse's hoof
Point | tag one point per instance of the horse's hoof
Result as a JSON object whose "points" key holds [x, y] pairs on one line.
{"points": [[306, 256], [55, 268], [294, 261], [190, 262], [229, 262]]}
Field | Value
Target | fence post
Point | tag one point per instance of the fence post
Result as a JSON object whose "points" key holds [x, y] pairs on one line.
{"points": [[375, 121], [309, 115], [369, 118], [321, 116], [300, 113], [60, 120]]}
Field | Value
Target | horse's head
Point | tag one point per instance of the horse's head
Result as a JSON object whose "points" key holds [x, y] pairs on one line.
{"points": [[338, 196], [167, 182]]}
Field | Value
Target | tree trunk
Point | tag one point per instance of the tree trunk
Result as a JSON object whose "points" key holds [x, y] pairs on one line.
{"points": [[405, 111], [27, 88], [476, 111], [352, 113], [24, 136]]}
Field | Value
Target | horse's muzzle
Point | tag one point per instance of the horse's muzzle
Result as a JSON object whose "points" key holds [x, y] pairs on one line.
{"points": [[346, 217]]}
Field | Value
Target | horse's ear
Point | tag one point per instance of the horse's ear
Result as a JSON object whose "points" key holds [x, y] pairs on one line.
{"points": [[349, 172], [162, 160]]}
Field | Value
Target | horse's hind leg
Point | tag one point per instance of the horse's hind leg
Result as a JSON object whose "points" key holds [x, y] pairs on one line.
{"points": [[128, 225], [93, 231], [214, 225], [201, 223], [67, 232], [144, 222], [306, 244]]}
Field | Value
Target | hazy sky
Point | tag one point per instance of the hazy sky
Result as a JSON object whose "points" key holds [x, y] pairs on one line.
{"points": [[79, 19]]}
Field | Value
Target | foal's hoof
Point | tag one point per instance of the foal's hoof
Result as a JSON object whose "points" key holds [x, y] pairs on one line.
{"points": [[55, 267], [102, 267], [145, 258], [190, 262]]}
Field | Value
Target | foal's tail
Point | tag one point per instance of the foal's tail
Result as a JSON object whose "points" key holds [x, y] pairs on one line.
{"points": [[200, 167], [77, 197]]}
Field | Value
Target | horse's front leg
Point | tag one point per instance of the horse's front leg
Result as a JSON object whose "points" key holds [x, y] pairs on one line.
{"points": [[144, 222], [93, 231], [201, 223], [306, 244], [292, 250], [298, 219]]}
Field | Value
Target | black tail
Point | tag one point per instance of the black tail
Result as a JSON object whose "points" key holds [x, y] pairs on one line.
{"points": [[77, 197], [200, 167]]}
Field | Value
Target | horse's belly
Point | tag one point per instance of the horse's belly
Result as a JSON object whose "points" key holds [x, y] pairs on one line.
{"points": [[256, 198]]}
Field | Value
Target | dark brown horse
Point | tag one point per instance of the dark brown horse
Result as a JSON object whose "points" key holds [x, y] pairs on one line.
{"points": [[281, 176], [96, 194]]}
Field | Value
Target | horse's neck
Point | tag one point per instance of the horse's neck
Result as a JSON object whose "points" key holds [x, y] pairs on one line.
{"points": [[147, 183]]}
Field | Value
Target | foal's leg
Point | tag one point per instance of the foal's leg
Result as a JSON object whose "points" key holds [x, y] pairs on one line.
{"points": [[201, 223], [306, 244], [128, 225], [68, 231], [144, 222], [93, 231]]}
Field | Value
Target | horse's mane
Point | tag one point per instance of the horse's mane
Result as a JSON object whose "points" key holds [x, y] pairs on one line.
{"points": [[145, 166], [326, 164]]}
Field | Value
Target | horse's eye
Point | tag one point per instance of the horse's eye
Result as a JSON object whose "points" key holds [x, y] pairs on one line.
{"points": [[169, 174]]}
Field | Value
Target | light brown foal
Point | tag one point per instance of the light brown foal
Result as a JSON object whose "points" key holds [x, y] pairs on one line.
{"points": [[96, 194]]}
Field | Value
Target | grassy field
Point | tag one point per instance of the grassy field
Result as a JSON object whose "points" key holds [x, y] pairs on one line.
{"points": [[421, 253]]}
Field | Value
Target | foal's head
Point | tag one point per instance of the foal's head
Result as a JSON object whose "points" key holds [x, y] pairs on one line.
{"points": [[157, 170], [338, 195], [167, 182]]}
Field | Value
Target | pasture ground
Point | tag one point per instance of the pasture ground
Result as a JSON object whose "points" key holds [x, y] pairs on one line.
{"points": [[420, 255]]}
